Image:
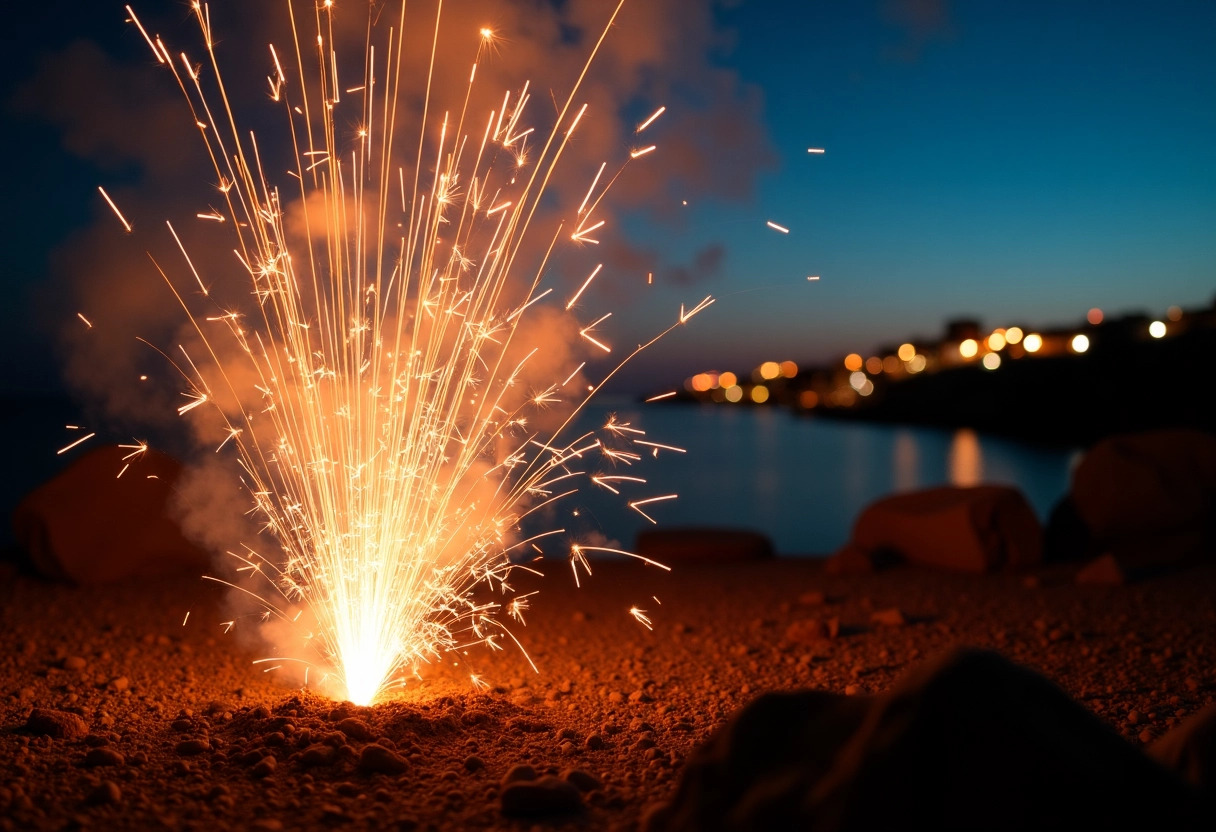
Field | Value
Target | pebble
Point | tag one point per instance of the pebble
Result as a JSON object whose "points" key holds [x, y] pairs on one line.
{"points": [[103, 757], [474, 763], [356, 729], [594, 742], [119, 683], [540, 798], [891, 617], [583, 780], [376, 759], [61, 725], [189, 748], [74, 663], [105, 793], [264, 768], [518, 773]]}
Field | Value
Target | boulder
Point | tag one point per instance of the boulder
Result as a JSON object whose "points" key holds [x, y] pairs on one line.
{"points": [[91, 525], [1148, 499], [968, 741], [1190, 749], [977, 529], [703, 545]]}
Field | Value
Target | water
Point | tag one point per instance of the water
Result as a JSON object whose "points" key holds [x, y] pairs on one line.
{"points": [[803, 481]]}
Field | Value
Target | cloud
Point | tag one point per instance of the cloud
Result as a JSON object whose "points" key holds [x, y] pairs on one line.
{"points": [[920, 23]]}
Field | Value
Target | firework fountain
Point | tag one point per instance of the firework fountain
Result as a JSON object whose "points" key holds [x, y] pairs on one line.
{"points": [[382, 397]]}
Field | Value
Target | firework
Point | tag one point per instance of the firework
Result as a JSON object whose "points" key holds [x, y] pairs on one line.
{"points": [[382, 397]]}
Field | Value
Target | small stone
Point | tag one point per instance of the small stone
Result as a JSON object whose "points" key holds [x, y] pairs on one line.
{"points": [[74, 663], [805, 631], [540, 798], [594, 742], [567, 747], [640, 696], [189, 748], [356, 729], [518, 773], [1146, 736], [892, 617], [106, 793], [616, 696], [58, 724], [474, 763], [103, 757], [851, 690], [119, 683], [583, 780], [1133, 717], [376, 759], [333, 814], [318, 754], [264, 767]]}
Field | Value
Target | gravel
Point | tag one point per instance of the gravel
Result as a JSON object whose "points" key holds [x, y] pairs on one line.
{"points": [[113, 715]]}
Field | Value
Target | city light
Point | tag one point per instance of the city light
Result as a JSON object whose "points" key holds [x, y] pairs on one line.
{"points": [[808, 399], [996, 341], [769, 370], [991, 361], [906, 352], [1079, 343], [873, 365], [968, 348], [759, 394], [1094, 316], [1013, 335], [734, 394], [1157, 329], [858, 380], [1174, 313], [1033, 342], [853, 362], [788, 369], [727, 380]]}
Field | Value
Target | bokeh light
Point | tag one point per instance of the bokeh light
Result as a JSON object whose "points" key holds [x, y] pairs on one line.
{"points": [[996, 341], [874, 365], [734, 393], [770, 370], [1079, 342], [759, 394], [789, 369], [1033, 342], [906, 352], [858, 380], [1174, 313], [852, 362], [1094, 316], [808, 399], [1013, 335], [727, 380], [1157, 329], [991, 361], [891, 364], [968, 348], [917, 363]]}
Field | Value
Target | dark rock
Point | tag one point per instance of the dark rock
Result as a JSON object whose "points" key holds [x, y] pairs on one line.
{"points": [[474, 763], [892, 617], [519, 772], [318, 754], [60, 725], [106, 793], [585, 781], [376, 759], [74, 663], [703, 545], [979, 529], [190, 748], [1190, 749], [103, 757], [264, 768], [87, 525], [968, 741], [545, 797]]}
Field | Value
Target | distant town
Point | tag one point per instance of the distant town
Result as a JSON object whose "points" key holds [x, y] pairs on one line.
{"points": [[1068, 384]]}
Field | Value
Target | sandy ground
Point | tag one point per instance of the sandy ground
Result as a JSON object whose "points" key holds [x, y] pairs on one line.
{"points": [[178, 730]]}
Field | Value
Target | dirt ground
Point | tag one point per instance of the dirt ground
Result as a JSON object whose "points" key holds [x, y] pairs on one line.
{"points": [[177, 729]]}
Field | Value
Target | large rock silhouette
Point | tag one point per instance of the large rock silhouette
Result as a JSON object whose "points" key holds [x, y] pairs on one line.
{"points": [[969, 741], [91, 525]]}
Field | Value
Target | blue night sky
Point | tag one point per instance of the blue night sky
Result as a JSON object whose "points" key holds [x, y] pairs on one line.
{"points": [[1013, 162]]}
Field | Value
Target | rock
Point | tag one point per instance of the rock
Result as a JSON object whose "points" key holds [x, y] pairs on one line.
{"points": [[584, 781], [105, 793], [892, 617], [1103, 570], [594, 742], [806, 631], [87, 525], [103, 757], [119, 683], [356, 729], [703, 545], [1148, 499], [853, 560], [978, 529], [60, 725], [319, 754], [376, 759], [473, 763], [967, 741], [519, 772], [190, 748], [545, 797], [74, 663], [264, 767], [1190, 749]]}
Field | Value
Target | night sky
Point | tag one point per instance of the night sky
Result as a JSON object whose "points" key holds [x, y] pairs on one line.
{"points": [[1013, 162]]}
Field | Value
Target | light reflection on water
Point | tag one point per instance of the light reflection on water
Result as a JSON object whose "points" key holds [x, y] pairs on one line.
{"points": [[803, 481]]}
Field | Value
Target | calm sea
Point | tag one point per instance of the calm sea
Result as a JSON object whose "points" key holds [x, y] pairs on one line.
{"points": [[803, 481]]}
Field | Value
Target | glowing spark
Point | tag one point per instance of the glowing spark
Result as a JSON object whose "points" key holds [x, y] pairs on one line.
{"points": [[636, 505], [583, 288], [198, 399], [583, 332], [641, 616], [590, 190], [812, 277], [187, 618], [667, 395], [114, 208], [580, 236], [504, 206], [86, 320], [651, 120], [187, 256], [814, 150], [636, 154], [776, 227], [67, 448]]}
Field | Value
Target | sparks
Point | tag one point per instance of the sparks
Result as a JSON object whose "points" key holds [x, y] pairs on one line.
{"points": [[651, 119], [87, 322], [114, 208], [777, 227], [642, 618]]}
